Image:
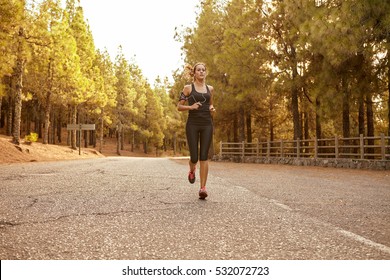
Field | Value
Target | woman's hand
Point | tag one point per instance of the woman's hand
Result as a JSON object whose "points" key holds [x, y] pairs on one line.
{"points": [[195, 106]]}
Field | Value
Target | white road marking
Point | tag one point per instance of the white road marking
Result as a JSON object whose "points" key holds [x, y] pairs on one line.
{"points": [[348, 234], [365, 241], [281, 205]]}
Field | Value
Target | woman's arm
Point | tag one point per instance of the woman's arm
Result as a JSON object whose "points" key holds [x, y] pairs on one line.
{"points": [[212, 109], [181, 105]]}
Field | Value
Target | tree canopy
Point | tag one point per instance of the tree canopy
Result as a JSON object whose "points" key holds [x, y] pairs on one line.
{"points": [[280, 69], [294, 69]]}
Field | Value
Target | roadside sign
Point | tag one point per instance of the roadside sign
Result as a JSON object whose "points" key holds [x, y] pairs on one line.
{"points": [[80, 127], [88, 127]]}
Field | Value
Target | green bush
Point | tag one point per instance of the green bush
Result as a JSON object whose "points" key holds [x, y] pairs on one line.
{"points": [[32, 137]]}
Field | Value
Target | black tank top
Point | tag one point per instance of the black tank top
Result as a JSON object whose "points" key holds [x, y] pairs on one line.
{"points": [[202, 116]]}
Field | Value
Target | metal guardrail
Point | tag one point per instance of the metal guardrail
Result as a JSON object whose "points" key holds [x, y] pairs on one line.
{"points": [[373, 148]]}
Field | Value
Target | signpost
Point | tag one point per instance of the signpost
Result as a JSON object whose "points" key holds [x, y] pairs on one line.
{"points": [[79, 127]]}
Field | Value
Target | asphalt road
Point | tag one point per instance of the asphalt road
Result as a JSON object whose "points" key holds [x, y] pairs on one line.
{"points": [[144, 208]]}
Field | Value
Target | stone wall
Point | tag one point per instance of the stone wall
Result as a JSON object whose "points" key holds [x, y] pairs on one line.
{"points": [[337, 163]]}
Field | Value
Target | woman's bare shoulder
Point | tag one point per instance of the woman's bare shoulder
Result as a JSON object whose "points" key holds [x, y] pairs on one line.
{"points": [[187, 89]]}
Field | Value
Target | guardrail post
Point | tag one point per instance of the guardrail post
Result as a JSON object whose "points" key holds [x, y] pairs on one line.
{"points": [[281, 148], [361, 146], [257, 148], [220, 149], [383, 146], [315, 147], [298, 148]]}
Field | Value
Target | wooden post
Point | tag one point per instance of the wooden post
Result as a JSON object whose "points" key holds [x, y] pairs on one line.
{"points": [[336, 146], [220, 149], [268, 148], [257, 148], [315, 147], [281, 148], [383, 147], [361, 146], [298, 148], [243, 150]]}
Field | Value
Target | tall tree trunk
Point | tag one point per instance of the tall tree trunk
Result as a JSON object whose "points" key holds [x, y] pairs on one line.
{"points": [[73, 140], [122, 139], [271, 121], [19, 69], [346, 123], [11, 110], [119, 138], [146, 146], [37, 120], [86, 137], [1, 102], [305, 115], [370, 122], [388, 99], [59, 125], [5, 82], [45, 137], [133, 141], [318, 122], [294, 97], [306, 125], [69, 121], [361, 115], [53, 127], [241, 126], [235, 128], [101, 131], [318, 60], [174, 142], [248, 127], [271, 130], [29, 118], [86, 132]]}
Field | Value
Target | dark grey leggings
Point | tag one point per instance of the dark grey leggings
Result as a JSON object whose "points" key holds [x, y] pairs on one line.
{"points": [[204, 133]]}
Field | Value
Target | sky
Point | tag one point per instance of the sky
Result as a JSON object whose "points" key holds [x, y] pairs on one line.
{"points": [[144, 28]]}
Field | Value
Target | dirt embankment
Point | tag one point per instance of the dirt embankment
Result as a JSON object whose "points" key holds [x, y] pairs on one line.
{"points": [[11, 153], [37, 152]]}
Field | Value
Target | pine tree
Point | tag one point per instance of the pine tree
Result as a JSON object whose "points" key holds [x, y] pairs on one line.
{"points": [[125, 97], [105, 91], [11, 16], [19, 38]]}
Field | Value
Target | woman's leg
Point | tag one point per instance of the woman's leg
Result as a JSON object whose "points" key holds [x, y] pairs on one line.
{"points": [[192, 134], [192, 141], [192, 166], [204, 171], [206, 136]]}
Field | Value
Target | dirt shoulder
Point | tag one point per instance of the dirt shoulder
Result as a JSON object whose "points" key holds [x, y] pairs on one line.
{"points": [[37, 152]]}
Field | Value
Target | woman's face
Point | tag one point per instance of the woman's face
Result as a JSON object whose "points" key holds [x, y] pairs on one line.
{"points": [[200, 72]]}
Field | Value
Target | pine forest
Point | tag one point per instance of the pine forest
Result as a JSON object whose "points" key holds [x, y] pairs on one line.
{"points": [[281, 69]]}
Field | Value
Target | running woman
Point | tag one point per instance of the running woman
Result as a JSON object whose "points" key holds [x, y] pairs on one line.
{"points": [[199, 125]]}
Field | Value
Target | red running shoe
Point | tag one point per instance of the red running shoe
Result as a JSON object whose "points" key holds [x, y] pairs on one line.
{"points": [[191, 176], [202, 193]]}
